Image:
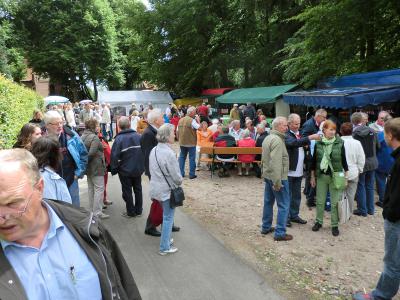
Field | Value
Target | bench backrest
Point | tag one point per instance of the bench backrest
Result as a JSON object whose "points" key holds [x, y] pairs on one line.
{"points": [[231, 150]]}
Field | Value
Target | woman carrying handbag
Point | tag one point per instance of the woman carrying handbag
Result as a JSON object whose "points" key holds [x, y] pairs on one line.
{"points": [[329, 173], [165, 177]]}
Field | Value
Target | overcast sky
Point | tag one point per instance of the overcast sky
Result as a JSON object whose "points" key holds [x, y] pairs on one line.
{"points": [[146, 2]]}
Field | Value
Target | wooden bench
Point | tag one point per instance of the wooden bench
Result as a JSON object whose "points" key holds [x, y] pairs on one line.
{"points": [[214, 151]]}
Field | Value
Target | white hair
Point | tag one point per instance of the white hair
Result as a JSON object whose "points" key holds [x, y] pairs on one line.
{"points": [[50, 116], [320, 112], [277, 121], [190, 110], [245, 134], [260, 125], [292, 117], [153, 115], [164, 132]]}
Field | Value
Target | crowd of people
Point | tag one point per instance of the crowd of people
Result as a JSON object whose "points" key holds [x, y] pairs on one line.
{"points": [[338, 164]]}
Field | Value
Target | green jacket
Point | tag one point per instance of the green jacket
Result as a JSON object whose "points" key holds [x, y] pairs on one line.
{"points": [[116, 280], [275, 159]]}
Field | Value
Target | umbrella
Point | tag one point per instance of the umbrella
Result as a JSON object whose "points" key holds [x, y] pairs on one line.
{"points": [[85, 101], [55, 100]]}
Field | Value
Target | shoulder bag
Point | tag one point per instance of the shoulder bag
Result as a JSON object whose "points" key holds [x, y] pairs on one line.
{"points": [[177, 196]]}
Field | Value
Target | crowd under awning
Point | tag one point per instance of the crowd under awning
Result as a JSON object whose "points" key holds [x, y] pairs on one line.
{"points": [[356, 90], [259, 95], [344, 97]]}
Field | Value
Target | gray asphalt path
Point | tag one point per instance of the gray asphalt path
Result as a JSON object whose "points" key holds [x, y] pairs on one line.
{"points": [[202, 268]]}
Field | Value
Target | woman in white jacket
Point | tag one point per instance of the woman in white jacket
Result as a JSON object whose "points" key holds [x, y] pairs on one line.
{"points": [[162, 160], [355, 160]]}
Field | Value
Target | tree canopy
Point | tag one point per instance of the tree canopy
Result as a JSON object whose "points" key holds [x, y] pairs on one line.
{"points": [[187, 45]]}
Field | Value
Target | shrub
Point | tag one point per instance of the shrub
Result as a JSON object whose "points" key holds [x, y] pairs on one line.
{"points": [[16, 107]]}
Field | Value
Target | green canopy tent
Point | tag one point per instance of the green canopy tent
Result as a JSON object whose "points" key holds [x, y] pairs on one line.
{"points": [[259, 95]]}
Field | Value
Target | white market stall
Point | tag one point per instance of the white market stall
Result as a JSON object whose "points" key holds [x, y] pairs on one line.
{"points": [[121, 101]]}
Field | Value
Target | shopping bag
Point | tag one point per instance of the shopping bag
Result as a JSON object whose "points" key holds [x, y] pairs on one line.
{"points": [[156, 213], [344, 209]]}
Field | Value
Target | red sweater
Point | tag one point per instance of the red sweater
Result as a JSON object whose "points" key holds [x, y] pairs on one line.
{"points": [[247, 142]]}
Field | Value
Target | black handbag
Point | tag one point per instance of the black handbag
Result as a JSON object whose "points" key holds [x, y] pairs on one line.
{"points": [[177, 195]]}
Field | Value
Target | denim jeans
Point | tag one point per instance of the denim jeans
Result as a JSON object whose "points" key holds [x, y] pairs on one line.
{"points": [[168, 221], [365, 193], [295, 196], [388, 283], [283, 203], [74, 192], [192, 160], [381, 184], [104, 130]]}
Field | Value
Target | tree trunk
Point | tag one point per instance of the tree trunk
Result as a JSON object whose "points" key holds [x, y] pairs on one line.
{"points": [[96, 93], [74, 86]]}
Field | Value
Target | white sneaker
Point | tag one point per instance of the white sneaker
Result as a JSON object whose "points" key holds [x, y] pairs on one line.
{"points": [[169, 251], [103, 216], [171, 241]]}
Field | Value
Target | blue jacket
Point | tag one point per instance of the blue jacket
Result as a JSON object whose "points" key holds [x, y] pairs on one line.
{"points": [[127, 158], [385, 159], [309, 128], [55, 187], [77, 150]]}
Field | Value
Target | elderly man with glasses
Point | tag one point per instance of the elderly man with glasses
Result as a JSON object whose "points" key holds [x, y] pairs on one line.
{"points": [[50, 250], [74, 153]]}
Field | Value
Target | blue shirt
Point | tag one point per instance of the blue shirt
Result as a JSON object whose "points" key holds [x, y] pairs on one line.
{"points": [[60, 269], [55, 187]]}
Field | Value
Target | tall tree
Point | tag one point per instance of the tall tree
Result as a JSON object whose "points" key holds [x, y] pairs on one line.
{"points": [[71, 42], [339, 37], [11, 59]]}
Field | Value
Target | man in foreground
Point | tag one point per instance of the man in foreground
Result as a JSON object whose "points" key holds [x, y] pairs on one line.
{"points": [[388, 284], [275, 161], [50, 250]]}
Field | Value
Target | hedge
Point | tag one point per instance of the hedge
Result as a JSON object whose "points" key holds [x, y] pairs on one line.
{"points": [[17, 104]]}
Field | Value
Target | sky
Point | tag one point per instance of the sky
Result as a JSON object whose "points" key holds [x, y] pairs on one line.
{"points": [[146, 2]]}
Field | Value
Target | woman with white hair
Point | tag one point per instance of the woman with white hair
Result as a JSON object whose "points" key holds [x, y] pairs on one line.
{"points": [[246, 159], [165, 174], [134, 120]]}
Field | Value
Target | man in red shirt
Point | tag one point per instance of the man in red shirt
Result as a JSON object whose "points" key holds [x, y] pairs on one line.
{"points": [[202, 111]]}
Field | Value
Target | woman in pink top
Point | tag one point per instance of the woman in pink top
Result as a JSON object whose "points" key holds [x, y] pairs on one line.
{"points": [[246, 159]]}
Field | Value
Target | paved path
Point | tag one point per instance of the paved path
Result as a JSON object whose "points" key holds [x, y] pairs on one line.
{"points": [[202, 269]]}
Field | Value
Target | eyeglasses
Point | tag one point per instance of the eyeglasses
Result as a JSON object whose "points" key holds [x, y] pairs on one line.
{"points": [[11, 213], [57, 124]]}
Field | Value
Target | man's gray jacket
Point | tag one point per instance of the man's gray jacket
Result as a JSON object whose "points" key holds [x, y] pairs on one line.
{"points": [[115, 278]]}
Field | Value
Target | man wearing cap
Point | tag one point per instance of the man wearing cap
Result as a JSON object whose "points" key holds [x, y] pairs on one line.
{"points": [[234, 113]]}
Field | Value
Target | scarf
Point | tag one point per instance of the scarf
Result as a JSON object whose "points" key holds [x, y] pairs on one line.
{"points": [[326, 159]]}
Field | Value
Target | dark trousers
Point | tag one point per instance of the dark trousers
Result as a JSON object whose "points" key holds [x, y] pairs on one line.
{"points": [[309, 191], [129, 183], [295, 196]]}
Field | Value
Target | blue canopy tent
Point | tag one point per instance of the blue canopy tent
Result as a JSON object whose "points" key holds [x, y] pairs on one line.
{"points": [[356, 90]]}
